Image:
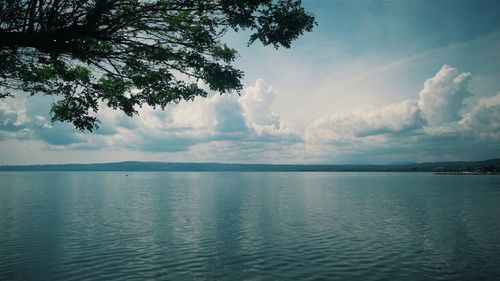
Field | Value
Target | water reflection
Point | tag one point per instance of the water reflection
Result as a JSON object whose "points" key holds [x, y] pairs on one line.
{"points": [[349, 226]]}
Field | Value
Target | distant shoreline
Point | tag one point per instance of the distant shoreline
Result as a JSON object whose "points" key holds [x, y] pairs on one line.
{"points": [[468, 173], [486, 167]]}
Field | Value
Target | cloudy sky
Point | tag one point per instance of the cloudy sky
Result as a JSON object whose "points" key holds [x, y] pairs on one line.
{"points": [[376, 82]]}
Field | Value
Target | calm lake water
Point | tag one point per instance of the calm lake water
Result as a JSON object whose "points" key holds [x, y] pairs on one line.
{"points": [[248, 226]]}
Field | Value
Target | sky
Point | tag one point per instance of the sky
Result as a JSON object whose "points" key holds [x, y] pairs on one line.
{"points": [[376, 82]]}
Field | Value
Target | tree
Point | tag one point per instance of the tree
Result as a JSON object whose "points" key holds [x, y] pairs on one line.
{"points": [[127, 53]]}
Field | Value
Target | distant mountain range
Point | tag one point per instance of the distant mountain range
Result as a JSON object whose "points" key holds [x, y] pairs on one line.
{"points": [[491, 166]]}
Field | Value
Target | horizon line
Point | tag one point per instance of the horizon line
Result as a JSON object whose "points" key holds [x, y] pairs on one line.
{"points": [[266, 164]]}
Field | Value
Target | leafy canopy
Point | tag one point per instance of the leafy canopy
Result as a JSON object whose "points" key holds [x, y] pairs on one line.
{"points": [[127, 53]]}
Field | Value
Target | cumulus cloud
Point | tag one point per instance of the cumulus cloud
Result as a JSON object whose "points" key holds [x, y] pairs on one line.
{"points": [[215, 119], [246, 128], [13, 115], [247, 120], [257, 108], [19, 121], [443, 95], [216, 114], [256, 103], [484, 118], [437, 113], [393, 119], [348, 127]]}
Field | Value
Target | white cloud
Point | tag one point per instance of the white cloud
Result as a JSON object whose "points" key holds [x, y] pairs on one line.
{"points": [[217, 119], [484, 118], [247, 128], [215, 114], [198, 114], [443, 95], [257, 104], [183, 126], [348, 127], [438, 108], [13, 114], [396, 118], [438, 118]]}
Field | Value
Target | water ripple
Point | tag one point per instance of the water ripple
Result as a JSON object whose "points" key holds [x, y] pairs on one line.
{"points": [[237, 226]]}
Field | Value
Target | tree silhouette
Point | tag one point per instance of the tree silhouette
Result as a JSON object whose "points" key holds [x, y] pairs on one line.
{"points": [[127, 53]]}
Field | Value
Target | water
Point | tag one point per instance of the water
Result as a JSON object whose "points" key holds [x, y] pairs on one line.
{"points": [[248, 226]]}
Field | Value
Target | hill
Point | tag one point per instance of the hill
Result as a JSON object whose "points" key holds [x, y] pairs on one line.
{"points": [[487, 166]]}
